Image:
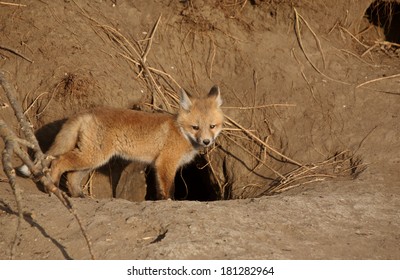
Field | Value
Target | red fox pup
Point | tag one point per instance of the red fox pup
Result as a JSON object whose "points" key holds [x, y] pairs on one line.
{"points": [[89, 140]]}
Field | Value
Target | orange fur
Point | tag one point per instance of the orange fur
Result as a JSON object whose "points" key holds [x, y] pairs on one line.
{"points": [[90, 139]]}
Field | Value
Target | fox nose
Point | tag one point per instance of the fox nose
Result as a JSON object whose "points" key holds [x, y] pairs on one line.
{"points": [[206, 142]]}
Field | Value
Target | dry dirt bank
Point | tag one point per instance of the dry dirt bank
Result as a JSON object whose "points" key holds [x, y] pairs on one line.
{"points": [[261, 53]]}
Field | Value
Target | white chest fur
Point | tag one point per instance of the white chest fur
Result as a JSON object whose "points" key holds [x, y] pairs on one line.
{"points": [[188, 157]]}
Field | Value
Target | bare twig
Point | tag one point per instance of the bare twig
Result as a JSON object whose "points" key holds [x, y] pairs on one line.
{"points": [[262, 143], [10, 173], [216, 177], [378, 79], [258, 106], [130, 51], [304, 75], [150, 40], [12, 4], [259, 160], [38, 169], [380, 44], [16, 53], [143, 59], [369, 50], [354, 37], [211, 56], [315, 36], [359, 58], [299, 39], [341, 164], [388, 44]]}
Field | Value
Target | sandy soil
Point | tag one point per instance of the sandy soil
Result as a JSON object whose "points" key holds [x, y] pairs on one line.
{"points": [[259, 56]]}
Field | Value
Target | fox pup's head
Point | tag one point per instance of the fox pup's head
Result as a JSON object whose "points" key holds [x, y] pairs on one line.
{"points": [[201, 119]]}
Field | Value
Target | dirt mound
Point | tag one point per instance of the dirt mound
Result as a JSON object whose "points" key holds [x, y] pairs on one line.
{"points": [[310, 93]]}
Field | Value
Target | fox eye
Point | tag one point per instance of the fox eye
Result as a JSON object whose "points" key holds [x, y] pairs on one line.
{"points": [[212, 126], [195, 127]]}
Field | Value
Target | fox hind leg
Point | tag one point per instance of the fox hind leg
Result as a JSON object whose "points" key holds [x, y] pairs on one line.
{"points": [[75, 160]]}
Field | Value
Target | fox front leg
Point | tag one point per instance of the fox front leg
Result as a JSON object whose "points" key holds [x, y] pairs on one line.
{"points": [[165, 174]]}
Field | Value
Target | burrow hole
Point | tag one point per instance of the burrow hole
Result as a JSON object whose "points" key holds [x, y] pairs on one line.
{"points": [[386, 15]]}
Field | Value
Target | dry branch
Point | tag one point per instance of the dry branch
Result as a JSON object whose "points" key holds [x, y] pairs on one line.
{"points": [[315, 37], [134, 54], [359, 58], [16, 53], [298, 17], [138, 57], [354, 37], [39, 169], [150, 40], [378, 79], [343, 164], [258, 106], [12, 4], [10, 173], [261, 142]]}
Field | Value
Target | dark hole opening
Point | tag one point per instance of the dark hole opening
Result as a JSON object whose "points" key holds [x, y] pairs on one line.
{"points": [[195, 182], [386, 14], [192, 182]]}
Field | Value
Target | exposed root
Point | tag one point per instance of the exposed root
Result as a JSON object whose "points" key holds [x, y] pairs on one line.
{"points": [[341, 165], [378, 79], [298, 17], [16, 53]]}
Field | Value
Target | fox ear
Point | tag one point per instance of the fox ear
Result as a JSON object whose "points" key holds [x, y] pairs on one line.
{"points": [[185, 102], [216, 93]]}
